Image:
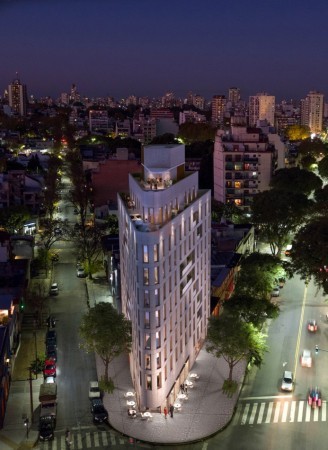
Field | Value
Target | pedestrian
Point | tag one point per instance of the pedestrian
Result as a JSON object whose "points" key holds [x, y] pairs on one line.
{"points": [[185, 389], [68, 437], [182, 387], [171, 410], [165, 412]]}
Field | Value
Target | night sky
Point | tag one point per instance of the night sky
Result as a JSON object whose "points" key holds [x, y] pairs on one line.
{"points": [[149, 47]]}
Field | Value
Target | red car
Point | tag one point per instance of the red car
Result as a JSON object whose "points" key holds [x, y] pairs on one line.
{"points": [[312, 326], [49, 369], [314, 397]]}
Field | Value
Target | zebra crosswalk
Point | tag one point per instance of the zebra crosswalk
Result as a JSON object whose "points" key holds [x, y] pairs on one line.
{"points": [[282, 411], [84, 440]]}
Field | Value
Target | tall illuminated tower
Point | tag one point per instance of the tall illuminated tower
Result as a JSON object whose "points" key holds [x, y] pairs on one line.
{"points": [[17, 97], [165, 242]]}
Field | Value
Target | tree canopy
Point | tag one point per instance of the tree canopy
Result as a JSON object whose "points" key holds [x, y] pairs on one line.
{"points": [[106, 332], [192, 132], [296, 180], [13, 218], [323, 167], [312, 147], [235, 340], [278, 213], [297, 132], [309, 252], [258, 274]]}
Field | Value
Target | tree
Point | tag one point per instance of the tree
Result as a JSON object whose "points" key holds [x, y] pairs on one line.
{"points": [[88, 240], [13, 218], [37, 299], [296, 180], [323, 167], [278, 214], [297, 132], [258, 274], [106, 332], [166, 138], [312, 147], [309, 252], [227, 211], [321, 201], [191, 132], [251, 309], [235, 340]]}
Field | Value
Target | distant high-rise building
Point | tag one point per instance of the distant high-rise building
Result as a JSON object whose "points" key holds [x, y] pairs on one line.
{"points": [[98, 120], [261, 107], [312, 111], [218, 108], [74, 95], [234, 95], [198, 101], [17, 97]]}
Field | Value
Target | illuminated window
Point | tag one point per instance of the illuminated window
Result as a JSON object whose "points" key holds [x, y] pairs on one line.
{"points": [[237, 184], [146, 299], [158, 339], [157, 318], [147, 319], [145, 254], [147, 362], [156, 276], [146, 276], [147, 341], [156, 252]]}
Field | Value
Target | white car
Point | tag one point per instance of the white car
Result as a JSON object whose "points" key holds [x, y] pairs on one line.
{"points": [[94, 391], [275, 292], [80, 272], [287, 381], [306, 358], [54, 289]]}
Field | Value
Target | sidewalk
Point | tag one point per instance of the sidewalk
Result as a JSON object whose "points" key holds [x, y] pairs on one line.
{"points": [[206, 411]]}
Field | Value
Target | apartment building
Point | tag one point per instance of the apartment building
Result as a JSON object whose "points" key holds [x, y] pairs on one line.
{"points": [[17, 97], [165, 241], [244, 161], [261, 107], [219, 103], [312, 108]]}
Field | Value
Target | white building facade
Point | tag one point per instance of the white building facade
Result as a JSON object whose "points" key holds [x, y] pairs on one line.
{"points": [[261, 107], [165, 241]]}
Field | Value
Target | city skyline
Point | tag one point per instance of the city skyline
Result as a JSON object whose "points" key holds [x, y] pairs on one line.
{"points": [[148, 49]]}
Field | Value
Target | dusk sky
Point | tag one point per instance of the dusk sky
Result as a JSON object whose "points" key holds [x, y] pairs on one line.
{"points": [[149, 47]]}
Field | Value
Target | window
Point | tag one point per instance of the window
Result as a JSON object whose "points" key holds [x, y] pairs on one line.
{"points": [[158, 360], [146, 276], [148, 382], [147, 341], [147, 319], [156, 252], [146, 299], [158, 339], [147, 362], [159, 381], [156, 294], [145, 254], [157, 318], [156, 276]]}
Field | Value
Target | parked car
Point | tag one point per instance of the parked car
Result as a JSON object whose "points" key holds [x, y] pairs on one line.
{"points": [[98, 411], [312, 326], [51, 338], [275, 292], [314, 397], [94, 391], [49, 369], [53, 289], [80, 272], [51, 352], [306, 358], [287, 381]]}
